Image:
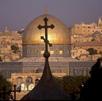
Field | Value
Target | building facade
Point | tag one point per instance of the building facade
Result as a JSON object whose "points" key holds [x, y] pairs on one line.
{"points": [[10, 45], [85, 36]]}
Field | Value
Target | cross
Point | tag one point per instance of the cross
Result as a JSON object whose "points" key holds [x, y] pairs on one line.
{"points": [[46, 26], [4, 92], [46, 72], [14, 91]]}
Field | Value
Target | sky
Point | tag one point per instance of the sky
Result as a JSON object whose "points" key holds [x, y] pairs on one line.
{"points": [[17, 14]]}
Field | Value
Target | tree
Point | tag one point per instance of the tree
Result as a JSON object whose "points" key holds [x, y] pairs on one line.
{"points": [[14, 48], [1, 59], [93, 39], [72, 84], [92, 51], [100, 53], [5, 88], [92, 88]]}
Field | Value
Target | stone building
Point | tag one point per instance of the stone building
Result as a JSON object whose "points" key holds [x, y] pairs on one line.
{"points": [[10, 45], [85, 36], [87, 29]]}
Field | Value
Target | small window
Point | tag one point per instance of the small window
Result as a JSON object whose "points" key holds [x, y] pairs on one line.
{"points": [[42, 52], [51, 52], [60, 52]]}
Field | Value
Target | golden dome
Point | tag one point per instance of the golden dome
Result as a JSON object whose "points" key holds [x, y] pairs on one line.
{"points": [[58, 35]]}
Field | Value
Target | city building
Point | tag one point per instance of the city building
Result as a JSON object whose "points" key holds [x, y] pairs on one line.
{"points": [[87, 29], [86, 36], [10, 45]]}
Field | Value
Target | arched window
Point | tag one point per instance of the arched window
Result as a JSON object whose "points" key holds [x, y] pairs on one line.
{"points": [[38, 70], [36, 81], [29, 80], [19, 80]]}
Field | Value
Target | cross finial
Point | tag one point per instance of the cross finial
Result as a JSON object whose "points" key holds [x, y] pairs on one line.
{"points": [[45, 38], [46, 72]]}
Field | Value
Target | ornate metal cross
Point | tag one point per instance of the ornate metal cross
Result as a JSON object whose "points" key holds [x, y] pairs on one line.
{"points": [[46, 26], [46, 72]]}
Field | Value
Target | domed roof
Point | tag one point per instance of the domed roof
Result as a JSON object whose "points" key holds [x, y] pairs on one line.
{"points": [[58, 35]]}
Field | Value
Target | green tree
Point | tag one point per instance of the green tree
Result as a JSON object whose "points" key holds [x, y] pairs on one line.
{"points": [[5, 88], [92, 51]]}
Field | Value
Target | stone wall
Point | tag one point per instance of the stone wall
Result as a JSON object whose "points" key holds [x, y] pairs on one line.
{"points": [[70, 68], [80, 68], [6, 68]]}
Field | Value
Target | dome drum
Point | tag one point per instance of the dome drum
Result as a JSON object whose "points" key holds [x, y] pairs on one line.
{"points": [[38, 50]]}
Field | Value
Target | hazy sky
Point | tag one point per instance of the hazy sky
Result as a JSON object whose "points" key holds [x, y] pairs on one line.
{"points": [[18, 13]]}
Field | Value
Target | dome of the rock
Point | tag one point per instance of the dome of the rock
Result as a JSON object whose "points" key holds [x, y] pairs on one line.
{"points": [[59, 36]]}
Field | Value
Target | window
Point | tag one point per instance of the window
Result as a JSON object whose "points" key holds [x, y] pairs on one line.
{"points": [[42, 52], [60, 52], [51, 52], [29, 80]]}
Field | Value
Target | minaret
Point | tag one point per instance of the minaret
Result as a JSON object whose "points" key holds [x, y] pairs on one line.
{"points": [[100, 22], [6, 29], [46, 10]]}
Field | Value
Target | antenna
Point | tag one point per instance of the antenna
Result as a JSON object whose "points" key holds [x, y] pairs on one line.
{"points": [[46, 10], [6, 29]]}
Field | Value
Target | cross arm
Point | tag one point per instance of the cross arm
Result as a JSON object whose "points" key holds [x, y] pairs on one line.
{"points": [[40, 27], [46, 41], [51, 26]]}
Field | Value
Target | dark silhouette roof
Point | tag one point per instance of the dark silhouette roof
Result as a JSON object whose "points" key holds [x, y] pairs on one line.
{"points": [[46, 89]]}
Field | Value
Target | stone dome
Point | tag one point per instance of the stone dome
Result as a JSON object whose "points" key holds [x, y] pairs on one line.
{"points": [[58, 35]]}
